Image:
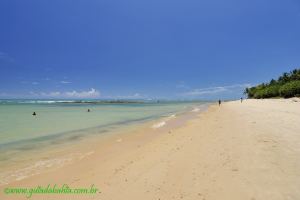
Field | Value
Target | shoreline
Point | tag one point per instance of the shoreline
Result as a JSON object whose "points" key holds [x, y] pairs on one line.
{"points": [[246, 150], [48, 156]]}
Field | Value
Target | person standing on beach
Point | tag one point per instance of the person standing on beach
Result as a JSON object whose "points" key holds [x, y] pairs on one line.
{"points": [[219, 102], [241, 99]]}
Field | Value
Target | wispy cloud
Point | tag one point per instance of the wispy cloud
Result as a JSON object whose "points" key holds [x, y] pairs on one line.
{"points": [[44, 94], [65, 82], [92, 93], [34, 83], [215, 90], [129, 96], [133, 96]]}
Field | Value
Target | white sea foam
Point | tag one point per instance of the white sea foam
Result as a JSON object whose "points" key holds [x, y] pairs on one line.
{"points": [[196, 110], [163, 123], [44, 102], [31, 170], [86, 154], [158, 125], [40, 166], [169, 117], [172, 116]]}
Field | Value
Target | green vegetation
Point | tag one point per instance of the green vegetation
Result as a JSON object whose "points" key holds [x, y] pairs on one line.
{"points": [[287, 85]]}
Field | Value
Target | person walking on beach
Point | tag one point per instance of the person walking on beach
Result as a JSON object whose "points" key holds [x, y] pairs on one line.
{"points": [[241, 99], [219, 102]]}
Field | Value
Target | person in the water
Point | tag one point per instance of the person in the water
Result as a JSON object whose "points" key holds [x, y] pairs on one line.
{"points": [[34, 114], [89, 110]]}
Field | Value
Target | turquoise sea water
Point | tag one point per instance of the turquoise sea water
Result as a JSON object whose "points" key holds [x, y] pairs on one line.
{"points": [[55, 118], [26, 141]]}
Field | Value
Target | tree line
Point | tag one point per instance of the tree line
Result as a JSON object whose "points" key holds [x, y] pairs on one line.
{"points": [[287, 85]]}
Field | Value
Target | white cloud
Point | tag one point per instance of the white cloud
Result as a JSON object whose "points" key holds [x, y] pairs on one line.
{"points": [[50, 94], [35, 83], [203, 91], [92, 93], [65, 82], [130, 96], [215, 90], [136, 95]]}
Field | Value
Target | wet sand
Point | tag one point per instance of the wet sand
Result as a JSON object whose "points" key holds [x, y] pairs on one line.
{"points": [[248, 150]]}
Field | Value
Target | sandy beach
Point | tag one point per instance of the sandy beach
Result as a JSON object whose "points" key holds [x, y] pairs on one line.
{"points": [[237, 151]]}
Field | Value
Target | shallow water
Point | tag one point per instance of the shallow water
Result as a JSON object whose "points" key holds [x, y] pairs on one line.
{"points": [[17, 122], [23, 136]]}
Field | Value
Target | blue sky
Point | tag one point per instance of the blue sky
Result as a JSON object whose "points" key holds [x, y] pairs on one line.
{"points": [[193, 49]]}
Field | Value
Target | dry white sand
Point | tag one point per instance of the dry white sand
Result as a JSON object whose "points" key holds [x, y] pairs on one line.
{"points": [[237, 151]]}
